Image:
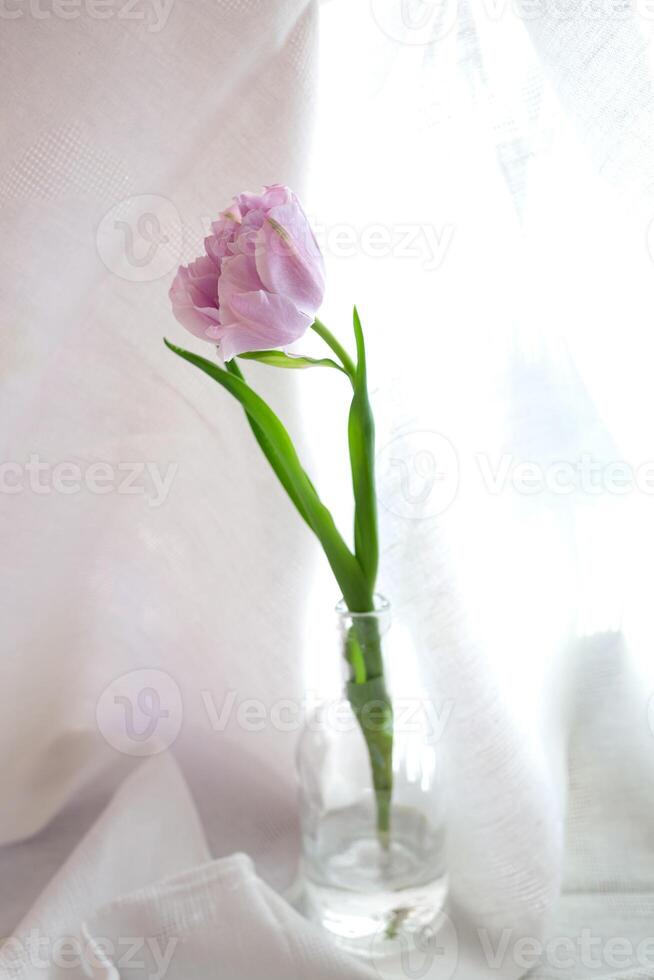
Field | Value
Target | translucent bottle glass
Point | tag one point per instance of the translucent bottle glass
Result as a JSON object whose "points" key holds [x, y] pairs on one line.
{"points": [[372, 859]]}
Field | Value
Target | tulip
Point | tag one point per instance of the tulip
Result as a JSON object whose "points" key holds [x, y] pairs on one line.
{"points": [[261, 280]]}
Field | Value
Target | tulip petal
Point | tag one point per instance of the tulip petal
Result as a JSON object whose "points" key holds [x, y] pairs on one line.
{"points": [[289, 261], [191, 305], [261, 320], [260, 280], [238, 275], [203, 280]]}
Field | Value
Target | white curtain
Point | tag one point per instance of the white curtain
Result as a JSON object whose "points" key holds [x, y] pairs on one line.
{"points": [[512, 354], [480, 177], [123, 137]]}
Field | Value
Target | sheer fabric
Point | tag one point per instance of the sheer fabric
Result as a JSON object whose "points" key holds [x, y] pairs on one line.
{"points": [[515, 143], [480, 178]]}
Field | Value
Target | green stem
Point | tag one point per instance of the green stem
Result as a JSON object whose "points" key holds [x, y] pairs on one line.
{"points": [[373, 709], [318, 327]]}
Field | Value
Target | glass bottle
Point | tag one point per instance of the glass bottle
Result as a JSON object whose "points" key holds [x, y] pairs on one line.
{"points": [[371, 799]]}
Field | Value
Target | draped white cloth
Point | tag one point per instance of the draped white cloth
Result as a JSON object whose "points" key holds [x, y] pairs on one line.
{"points": [[480, 178]]}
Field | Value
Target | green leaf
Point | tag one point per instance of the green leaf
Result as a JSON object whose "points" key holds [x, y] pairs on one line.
{"points": [[361, 436], [277, 358], [268, 450], [281, 454]]}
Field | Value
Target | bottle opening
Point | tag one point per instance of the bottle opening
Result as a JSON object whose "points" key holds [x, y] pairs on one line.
{"points": [[382, 605]]}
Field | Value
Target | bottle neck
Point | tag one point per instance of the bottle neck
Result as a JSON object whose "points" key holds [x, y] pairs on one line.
{"points": [[362, 636]]}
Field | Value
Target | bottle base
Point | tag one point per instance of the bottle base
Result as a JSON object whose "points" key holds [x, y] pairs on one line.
{"points": [[367, 925], [368, 894]]}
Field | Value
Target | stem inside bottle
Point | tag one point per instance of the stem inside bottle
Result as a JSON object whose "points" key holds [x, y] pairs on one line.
{"points": [[372, 706]]}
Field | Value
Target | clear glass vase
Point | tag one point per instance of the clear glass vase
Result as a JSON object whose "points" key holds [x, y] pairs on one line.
{"points": [[371, 797]]}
